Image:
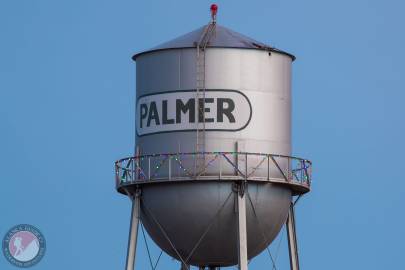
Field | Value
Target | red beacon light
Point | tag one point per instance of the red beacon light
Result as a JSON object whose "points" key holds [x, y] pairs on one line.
{"points": [[214, 10]]}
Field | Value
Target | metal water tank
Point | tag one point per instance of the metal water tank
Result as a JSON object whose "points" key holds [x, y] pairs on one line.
{"points": [[213, 108]]}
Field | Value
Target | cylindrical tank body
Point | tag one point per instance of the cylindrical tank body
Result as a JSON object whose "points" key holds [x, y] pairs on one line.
{"points": [[264, 79], [247, 109]]}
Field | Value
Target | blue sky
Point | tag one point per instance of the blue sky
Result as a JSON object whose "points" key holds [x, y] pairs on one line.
{"points": [[67, 88]]}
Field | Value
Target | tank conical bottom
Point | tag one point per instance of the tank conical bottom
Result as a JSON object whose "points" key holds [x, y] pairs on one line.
{"points": [[185, 210]]}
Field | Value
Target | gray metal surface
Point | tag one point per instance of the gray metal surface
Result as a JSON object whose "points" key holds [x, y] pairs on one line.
{"points": [[185, 210], [265, 80], [222, 38]]}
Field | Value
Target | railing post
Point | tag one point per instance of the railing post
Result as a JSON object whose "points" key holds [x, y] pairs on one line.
{"points": [[246, 166], [220, 166], [170, 167], [268, 167], [137, 165], [307, 172], [149, 168], [300, 168], [132, 170], [137, 168], [117, 175]]}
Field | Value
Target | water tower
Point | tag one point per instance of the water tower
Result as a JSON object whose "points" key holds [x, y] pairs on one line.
{"points": [[213, 180]]}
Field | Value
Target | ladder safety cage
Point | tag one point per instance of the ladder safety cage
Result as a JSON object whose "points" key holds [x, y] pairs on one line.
{"points": [[200, 93]]}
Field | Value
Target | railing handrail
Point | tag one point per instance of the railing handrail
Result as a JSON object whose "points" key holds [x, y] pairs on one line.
{"points": [[292, 171], [213, 153]]}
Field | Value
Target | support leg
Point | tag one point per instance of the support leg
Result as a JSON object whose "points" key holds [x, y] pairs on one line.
{"points": [[242, 235], [133, 233], [292, 239]]}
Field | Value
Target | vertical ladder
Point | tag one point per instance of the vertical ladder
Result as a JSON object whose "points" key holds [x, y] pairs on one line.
{"points": [[200, 97]]}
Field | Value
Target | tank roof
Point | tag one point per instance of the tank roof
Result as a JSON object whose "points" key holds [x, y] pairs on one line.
{"points": [[222, 38]]}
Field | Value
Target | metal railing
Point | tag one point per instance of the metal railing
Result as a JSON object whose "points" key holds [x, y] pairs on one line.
{"points": [[236, 166]]}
